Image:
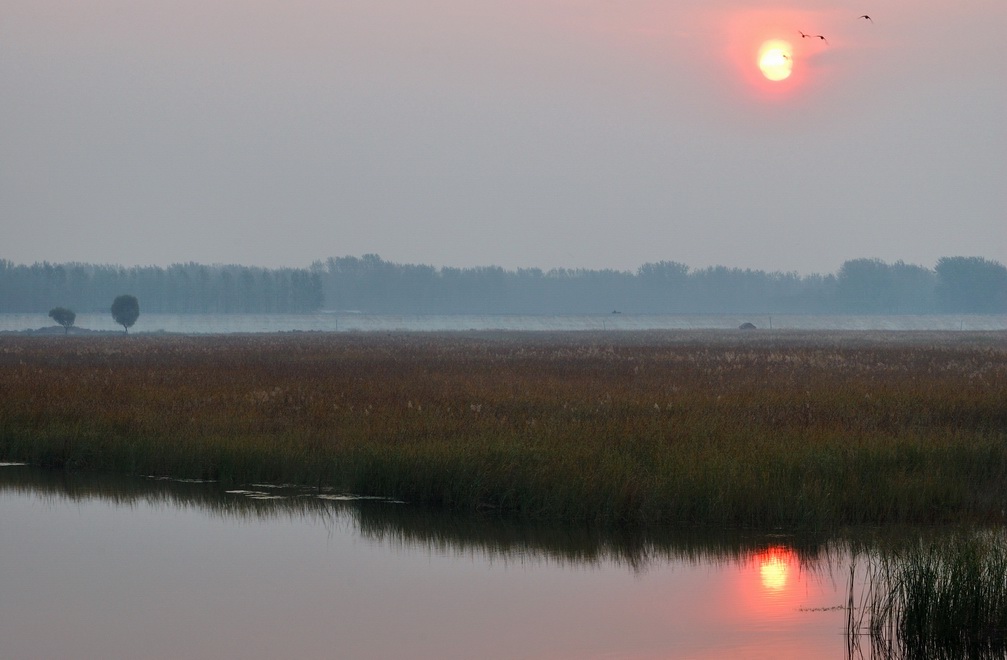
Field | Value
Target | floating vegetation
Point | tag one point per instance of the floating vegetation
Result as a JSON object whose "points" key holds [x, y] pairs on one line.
{"points": [[284, 492], [256, 494], [178, 480]]}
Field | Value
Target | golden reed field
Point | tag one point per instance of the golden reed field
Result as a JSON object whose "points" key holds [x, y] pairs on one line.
{"points": [[795, 429]]}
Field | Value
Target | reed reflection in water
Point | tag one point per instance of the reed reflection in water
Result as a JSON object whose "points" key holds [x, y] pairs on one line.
{"points": [[97, 567]]}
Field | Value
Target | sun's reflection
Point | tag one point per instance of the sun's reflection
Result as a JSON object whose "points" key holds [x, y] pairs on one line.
{"points": [[772, 581], [774, 567]]}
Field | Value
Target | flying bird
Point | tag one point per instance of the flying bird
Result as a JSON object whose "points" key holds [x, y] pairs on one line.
{"points": [[812, 36], [867, 17]]}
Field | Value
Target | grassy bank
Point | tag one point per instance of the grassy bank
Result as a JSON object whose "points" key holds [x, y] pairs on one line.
{"points": [[944, 598], [636, 428]]}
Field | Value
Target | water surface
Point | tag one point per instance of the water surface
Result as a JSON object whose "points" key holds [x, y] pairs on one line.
{"points": [[101, 567]]}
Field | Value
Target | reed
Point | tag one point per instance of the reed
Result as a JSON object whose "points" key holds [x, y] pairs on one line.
{"points": [[800, 430], [944, 598]]}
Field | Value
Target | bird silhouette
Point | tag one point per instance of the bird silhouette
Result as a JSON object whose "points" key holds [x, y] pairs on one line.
{"points": [[812, 36], [867, 17]]}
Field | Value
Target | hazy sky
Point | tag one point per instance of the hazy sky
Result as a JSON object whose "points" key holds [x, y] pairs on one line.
{"points": [[575, 133]]}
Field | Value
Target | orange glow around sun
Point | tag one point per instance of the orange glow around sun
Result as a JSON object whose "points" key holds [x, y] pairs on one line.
{"points": [[776, 59], [771, 582], [764, 52]]}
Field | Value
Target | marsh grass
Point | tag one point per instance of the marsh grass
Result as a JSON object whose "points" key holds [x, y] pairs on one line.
{"points": [[944, 598], [805, 430]]}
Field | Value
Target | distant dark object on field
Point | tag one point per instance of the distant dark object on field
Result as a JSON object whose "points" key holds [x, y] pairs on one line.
{"points": [[747, 326]]}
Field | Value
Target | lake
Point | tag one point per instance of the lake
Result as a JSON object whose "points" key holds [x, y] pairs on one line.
{"points": [[112, 567], [348, 321]]}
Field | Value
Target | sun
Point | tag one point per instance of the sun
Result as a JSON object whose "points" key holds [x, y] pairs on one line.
{"points": [[776, 59]]}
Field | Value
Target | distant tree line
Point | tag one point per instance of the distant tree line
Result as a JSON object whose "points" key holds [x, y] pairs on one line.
{"points": [[370, 284], [862, 286], [180, 288]]}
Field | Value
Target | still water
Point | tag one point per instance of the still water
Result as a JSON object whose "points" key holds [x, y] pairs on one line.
{"points": [[101, 567], [346, 321]]}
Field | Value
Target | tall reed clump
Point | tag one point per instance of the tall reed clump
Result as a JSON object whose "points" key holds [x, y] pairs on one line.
{"points": [[725, 429], [943, 598]]}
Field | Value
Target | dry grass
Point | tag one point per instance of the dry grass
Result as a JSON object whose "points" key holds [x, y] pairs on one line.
{"points": [[755, 429]]}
